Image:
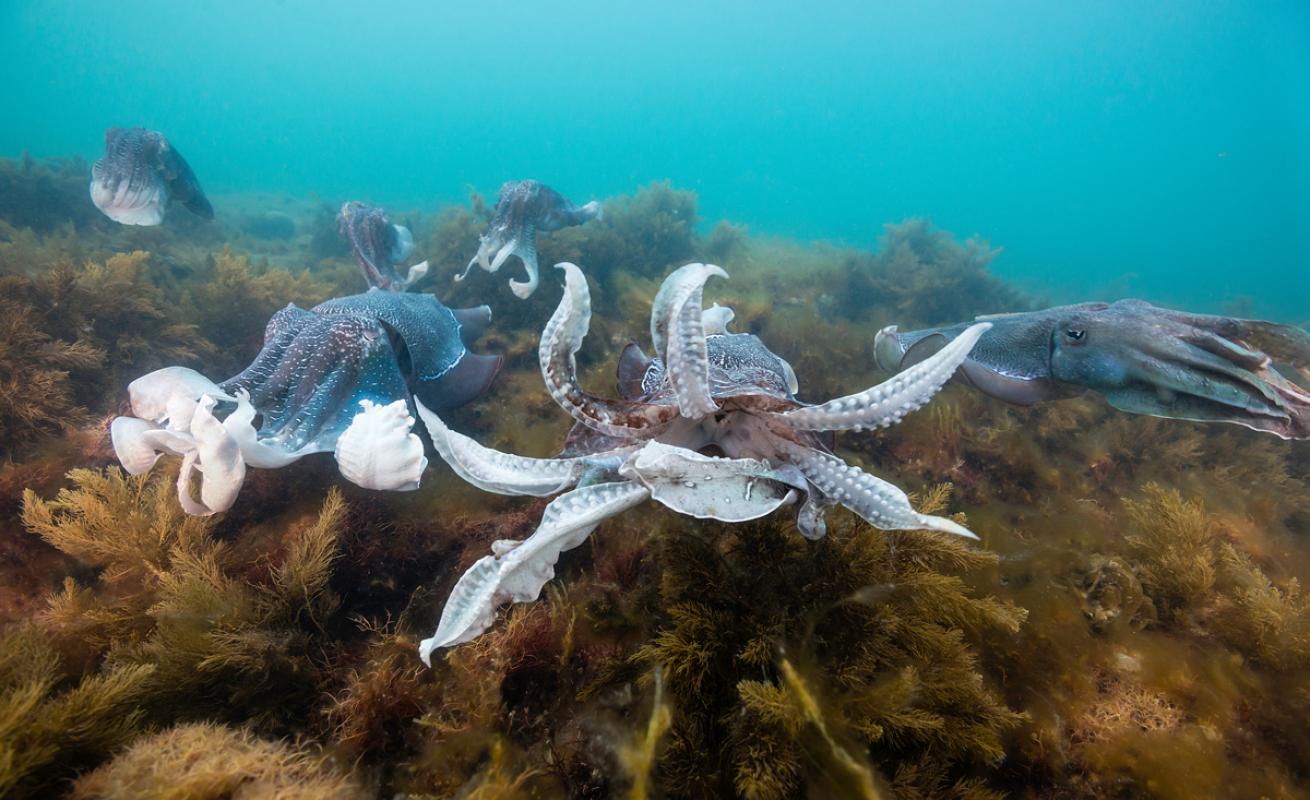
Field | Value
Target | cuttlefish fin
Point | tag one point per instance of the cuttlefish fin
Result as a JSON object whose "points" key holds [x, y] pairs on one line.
{"points": [[473, 322], [633, 364], [182, 182], [468, 378]]}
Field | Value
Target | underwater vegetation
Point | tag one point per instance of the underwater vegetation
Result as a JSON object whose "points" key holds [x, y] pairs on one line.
{"points": [[1133, 623]]}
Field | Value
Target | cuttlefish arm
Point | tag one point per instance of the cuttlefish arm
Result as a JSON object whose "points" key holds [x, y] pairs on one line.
{"points": [[1142, 359]]}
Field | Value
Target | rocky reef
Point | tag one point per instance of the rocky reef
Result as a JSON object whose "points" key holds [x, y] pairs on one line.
{"points": [[1132, 623]]}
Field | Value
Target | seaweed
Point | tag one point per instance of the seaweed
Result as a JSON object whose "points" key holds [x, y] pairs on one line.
{"points": [[929, 278], [226, 648], [117, 307], [1174, 548], [888, 635], [642, 234], [47, 730], [168, 597], [43, 195], [205, 761], [36, 377]]}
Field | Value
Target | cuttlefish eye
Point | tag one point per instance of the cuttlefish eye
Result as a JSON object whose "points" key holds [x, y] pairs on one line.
{"points": [[1075, 335]]}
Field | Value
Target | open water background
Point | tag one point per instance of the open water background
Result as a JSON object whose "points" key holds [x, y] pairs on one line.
{"points": [[1160, 150]]}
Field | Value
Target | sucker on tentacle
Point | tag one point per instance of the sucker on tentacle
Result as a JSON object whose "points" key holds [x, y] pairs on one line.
{"points": [[516, 570], [560, 341], [880, 503], [687, 359], [890, 401]]}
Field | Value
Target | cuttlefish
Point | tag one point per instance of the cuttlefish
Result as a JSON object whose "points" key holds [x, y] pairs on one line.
{"points": [[140, 172], [1141, 358], [709, 427], [343, 377], [522, 209], [379, 246]]}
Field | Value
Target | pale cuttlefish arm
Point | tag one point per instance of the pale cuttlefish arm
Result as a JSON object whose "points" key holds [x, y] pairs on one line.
{"points": [[522, 209], [1141, 358], [709, 427]]}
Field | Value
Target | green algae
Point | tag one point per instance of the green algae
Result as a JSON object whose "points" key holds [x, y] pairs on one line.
{"points": [[1134, 623]]}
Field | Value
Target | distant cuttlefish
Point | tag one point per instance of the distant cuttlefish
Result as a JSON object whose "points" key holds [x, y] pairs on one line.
{"points": [[522, 209], [378, 246], [140, 172]]}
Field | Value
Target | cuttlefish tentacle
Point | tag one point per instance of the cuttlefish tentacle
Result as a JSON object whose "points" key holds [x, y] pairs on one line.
{"points": [[890, 401], [880, 503], [517, 570], [502, 473], [217, 456], [685, 354], [525, 247], [560, 341]]}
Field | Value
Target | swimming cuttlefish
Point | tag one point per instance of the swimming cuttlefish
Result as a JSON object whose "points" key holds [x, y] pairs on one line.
{"points": [[139, 174], [1141, 358], [379, 246], [522, 209]]}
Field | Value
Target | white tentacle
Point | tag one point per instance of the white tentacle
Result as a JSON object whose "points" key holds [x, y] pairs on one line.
{"points": [[560, 341], [890, 401], [678, 330], [516, 571], [218, 458], [880, 503], [494, 471]]}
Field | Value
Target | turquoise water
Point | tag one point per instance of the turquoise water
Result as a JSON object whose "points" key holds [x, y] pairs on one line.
{"points": [[1111, 149]]}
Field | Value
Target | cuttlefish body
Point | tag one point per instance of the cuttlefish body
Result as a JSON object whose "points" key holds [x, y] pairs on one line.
{"points": [[522, 209], [379, 246], [139, 174], [1141, 358]]}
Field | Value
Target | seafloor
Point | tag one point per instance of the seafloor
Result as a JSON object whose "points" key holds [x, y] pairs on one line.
{"points": [[1130, 625]]}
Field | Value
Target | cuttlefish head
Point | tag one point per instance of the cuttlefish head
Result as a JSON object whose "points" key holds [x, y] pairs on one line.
{"points": [[1143, 359], [1150, 360]]}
